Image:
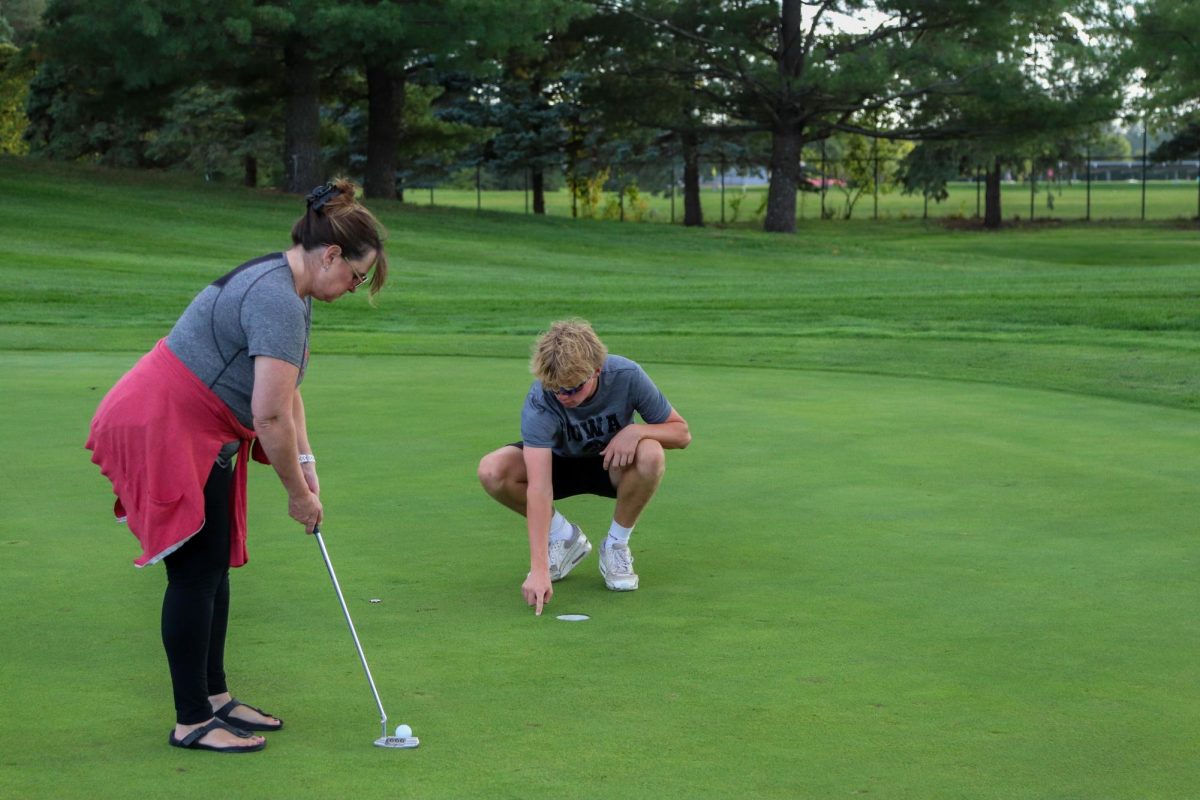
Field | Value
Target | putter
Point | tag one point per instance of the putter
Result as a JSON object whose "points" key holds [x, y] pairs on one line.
{"points": [[398, 742]]}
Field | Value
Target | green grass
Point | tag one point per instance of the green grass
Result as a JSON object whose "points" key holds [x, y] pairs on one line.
{"points": [[109, 262], [935, 537]]}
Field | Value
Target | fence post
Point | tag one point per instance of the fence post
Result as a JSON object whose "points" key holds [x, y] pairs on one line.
{"points": [[672, 192], [1143, 172], [977, 191], [1088, 178], [824, 180], [722, 188], [875, 156], [526, 177], [1032, 189]]}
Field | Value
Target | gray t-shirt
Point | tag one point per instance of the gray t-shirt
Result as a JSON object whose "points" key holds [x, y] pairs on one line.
{"points": [[252, 311], [624, 388]]}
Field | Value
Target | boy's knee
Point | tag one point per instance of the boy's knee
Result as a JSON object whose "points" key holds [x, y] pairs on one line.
{"points": [[651, 460], [499, 469], [489, 472]]}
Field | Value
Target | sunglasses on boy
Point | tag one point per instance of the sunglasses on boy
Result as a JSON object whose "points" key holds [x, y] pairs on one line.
{"points": [[573, 391]]}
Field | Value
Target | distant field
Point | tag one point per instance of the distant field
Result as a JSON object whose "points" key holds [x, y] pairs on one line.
{"points": [[1165, 200]]}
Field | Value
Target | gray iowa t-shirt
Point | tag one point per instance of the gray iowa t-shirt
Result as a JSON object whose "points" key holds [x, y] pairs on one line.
{"points": [[252, 311], [624, 388]]}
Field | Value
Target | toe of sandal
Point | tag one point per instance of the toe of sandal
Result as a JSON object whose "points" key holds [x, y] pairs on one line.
{"points": [[225, 713], [192, 740]]}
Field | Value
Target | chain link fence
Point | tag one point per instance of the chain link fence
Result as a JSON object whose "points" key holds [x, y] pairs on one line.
{"points": [[1118, 187]]}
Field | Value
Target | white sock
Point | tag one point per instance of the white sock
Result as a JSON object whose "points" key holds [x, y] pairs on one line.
{"points": [[560, 528], [618, 534]]}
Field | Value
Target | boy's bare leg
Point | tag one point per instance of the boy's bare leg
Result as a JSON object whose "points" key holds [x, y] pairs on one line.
{"points": [[502, 474], [637, 484]]}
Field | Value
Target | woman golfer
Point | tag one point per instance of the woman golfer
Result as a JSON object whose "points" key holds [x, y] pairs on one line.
{"points": [[174, 435]]}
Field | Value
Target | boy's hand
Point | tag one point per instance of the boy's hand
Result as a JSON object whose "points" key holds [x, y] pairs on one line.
{"points": [[622, 448], [537, 590]]}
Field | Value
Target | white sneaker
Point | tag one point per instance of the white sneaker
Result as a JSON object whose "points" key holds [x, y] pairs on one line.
{"points": [[616, 565], [566, 553]]}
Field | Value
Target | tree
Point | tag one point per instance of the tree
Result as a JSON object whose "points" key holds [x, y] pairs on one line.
{"points": [[648, 71], [20, 21], [526, 99], [432, 146], [399, 40], [1165, 45], [204, 131], [388, 37], [290, 38], [805, 70], [107, 69], [112, 72], [1047, 90], [524, 114], [862, 165], [15, 73]]}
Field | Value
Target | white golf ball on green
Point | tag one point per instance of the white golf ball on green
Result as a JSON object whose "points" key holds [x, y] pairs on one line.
{"points": [[403, 731]]}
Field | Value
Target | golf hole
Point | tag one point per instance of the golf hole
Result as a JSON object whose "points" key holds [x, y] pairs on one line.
{"points": [[574, 617]]}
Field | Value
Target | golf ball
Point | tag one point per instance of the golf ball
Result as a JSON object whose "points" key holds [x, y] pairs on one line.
{"points": [[403, 731]]}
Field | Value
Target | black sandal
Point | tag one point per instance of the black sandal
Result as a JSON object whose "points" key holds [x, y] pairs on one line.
{"points": [[225, 713], [192, 740]]}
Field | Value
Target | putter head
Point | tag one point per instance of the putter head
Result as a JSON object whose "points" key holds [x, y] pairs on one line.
{"points": [[398, 742]]}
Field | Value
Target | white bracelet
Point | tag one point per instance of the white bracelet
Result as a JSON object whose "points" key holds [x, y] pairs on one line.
{"points": [[308, 458]]}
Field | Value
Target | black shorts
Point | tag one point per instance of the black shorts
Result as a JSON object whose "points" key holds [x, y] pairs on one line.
{"points": [[584, 475]]}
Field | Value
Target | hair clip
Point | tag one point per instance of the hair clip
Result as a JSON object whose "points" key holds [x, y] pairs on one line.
{"points": [[321, 195]]}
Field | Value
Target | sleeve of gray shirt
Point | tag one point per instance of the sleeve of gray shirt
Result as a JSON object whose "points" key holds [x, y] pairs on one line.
{"points": [[651, 404], [274, 323], [540, 424]]}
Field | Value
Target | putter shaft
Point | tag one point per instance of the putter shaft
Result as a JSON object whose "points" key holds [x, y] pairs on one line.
{"points": [[353, 633]]}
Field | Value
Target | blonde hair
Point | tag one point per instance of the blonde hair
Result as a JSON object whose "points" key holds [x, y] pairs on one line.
{"points": [[567, 354], [334, 216]]}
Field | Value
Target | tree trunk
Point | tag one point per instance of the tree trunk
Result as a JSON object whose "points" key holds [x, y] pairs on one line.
{"points": [[785, 177], [385, 104], [693, 215], [250, 171], [786, 138], [991, 198], [302, 121], [538, 183]]}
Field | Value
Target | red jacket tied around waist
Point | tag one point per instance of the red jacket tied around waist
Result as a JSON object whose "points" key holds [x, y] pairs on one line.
{"points": [[156, 436]]}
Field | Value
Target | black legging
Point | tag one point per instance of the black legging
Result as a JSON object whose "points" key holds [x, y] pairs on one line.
{"points": [[195, 612]]}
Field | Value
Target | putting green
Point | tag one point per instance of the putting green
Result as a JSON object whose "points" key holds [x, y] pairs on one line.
{"points": [[850, 585]]}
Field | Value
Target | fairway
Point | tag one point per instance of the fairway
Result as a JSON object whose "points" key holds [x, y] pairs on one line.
{"points": [[851, 584], [935, 537]]}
